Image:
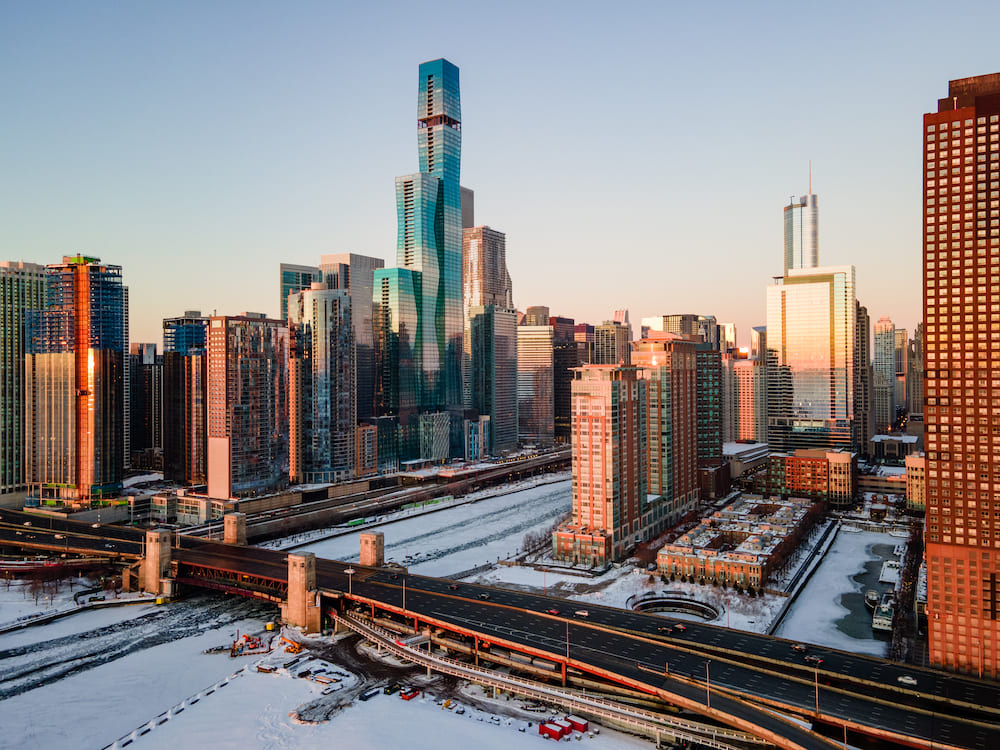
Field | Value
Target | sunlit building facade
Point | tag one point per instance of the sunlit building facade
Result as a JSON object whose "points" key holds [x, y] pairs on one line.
{"points": [[609, 467], [22, 288], [75, 374], [322, 417], [802, 232], [961, 269], [811, 316], [185, 398], [247, 405], [535, 399], [884, 374]]}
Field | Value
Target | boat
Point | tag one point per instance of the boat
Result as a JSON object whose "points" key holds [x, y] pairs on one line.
{"points": [[882, 617], [871, 599]]}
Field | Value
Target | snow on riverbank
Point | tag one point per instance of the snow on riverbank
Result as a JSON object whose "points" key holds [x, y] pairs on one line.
{"points": [[816, 613]]}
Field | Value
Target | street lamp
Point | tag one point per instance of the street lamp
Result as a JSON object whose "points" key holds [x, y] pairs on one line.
{"points": [[349, 572]]}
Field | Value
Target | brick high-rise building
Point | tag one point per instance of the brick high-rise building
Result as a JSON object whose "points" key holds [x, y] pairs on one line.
{"points": [[669, 365], [609, 467], [961, 264]]}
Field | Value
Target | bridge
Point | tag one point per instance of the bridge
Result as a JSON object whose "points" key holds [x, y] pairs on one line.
{"points": [[736, 679]]}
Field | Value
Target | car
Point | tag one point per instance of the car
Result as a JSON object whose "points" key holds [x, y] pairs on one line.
{"points": [[800, 647], [906, 679], [814, 660], [680, 628], [552, 611], [484, 595], [582, 613], [453, 586]]}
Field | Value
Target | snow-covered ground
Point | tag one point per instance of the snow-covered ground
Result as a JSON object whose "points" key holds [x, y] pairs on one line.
{"points": [[462, 537], [385, 721], [823, 613]]}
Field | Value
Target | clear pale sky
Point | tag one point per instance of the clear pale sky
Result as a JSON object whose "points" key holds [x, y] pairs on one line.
{"points": [[636, 154]]}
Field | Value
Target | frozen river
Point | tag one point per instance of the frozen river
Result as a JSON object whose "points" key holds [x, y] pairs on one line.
{"points": [[461, 537]]}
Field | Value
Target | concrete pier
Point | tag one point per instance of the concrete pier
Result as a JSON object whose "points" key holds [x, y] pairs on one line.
{"points": [[155, 568], [235, 530], [302, 608]]}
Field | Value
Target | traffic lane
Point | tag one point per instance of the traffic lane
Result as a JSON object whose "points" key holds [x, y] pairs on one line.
{"points": [[698, 635], [34, 520], [616, 652], [57, 541], [618, 661]]}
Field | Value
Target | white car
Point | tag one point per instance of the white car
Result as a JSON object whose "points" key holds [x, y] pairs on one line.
{"points": [[906, 680]]}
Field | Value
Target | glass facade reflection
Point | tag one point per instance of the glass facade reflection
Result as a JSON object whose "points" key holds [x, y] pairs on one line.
{"points": [[429, 214], [22, 288], [810, 359], [802, 233], [75, 371], [397, 299]]}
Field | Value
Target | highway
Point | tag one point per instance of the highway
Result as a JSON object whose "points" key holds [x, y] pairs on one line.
{"points": [[703, 667]]}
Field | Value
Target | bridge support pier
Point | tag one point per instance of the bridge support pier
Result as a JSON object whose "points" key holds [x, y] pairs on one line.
{"points": [[235, 531], [154, 572], [302, 609]]}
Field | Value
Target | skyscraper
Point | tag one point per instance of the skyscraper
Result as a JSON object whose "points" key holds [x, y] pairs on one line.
{"points": [[356, 274], [802, 232], [247, 405], [915, 372], [612, 344], [294, 278], [884, 374], [321, 409], [490, 339], [74, 408], [429, 216], [811, 316], [961, 265], [668, 363], [862, 379], [146, 407], [609, 466], [185, 398], [22, 288], [535, 398], [397, 373], [901, 342]]}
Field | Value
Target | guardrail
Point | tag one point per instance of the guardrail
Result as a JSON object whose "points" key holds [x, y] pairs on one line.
{"points": [[646, 722]]}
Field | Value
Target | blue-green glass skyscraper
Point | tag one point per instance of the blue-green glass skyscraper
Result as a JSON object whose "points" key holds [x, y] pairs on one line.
{"points": [[429, 210]]}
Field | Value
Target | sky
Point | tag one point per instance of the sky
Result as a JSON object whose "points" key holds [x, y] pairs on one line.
{"points": [[637, 155]]}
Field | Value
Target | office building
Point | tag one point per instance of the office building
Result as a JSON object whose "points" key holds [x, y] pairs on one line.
{"points": [[22, 288], [901, 344], [397, 375], [185, 398], [535, 403], [537, 315], [884, 374], [429, 218], [565, 358], [758, 343], [668, 363], [612, 344], [609, 467], [247, 405], [490, 339], [322, 417], [356, 274], [294, 278], [802, 232], [146, 407], [727, 337], [915, 372], [493, 374], [75, 373], [811, 330], [863, 421], [961, 265]]}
